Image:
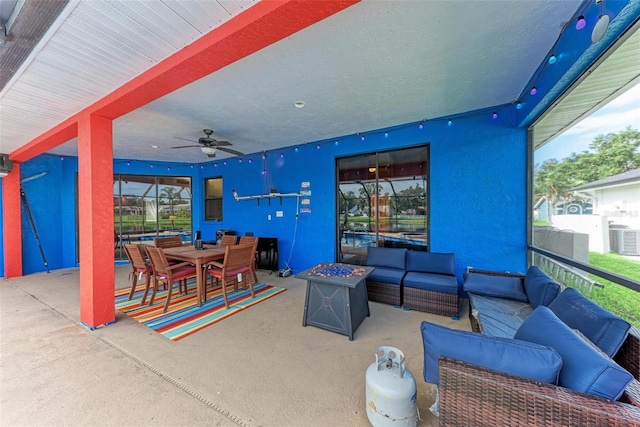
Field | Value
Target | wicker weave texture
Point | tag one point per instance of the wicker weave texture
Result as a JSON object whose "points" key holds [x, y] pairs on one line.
{"points": [[474, 396], [387, 293], [629, 354], [431, 302]]}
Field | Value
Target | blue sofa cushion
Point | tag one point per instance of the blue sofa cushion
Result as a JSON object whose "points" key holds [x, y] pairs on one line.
{"points": [[495, 286], [584, 369], [604, 329], [386, 275], [521, 358], [431, 262], [540, 288], [386, 257], [431, 282]]}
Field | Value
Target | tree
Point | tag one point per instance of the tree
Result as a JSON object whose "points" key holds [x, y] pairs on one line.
{"points": [[609, 155], [171, 194]]}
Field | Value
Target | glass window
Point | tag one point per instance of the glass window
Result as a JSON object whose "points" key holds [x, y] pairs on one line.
{"points": [[213, 199], [585, 204], [382, 202], [146, 207]]}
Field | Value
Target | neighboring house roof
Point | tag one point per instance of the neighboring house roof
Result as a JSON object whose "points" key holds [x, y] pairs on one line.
{"points": [[615, 180]]}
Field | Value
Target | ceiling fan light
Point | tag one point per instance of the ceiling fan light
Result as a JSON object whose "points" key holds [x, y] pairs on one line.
{"points": [[209, 151]]}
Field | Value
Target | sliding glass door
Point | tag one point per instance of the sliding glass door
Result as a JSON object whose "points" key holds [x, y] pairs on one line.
{"points": [[146, 207], [382, 201]]}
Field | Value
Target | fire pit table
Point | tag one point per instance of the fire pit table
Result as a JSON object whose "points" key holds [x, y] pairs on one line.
{"points": [[336, 298]]}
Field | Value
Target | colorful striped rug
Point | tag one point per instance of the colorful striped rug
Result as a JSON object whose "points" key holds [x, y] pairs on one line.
{"points": [[183, 316]]}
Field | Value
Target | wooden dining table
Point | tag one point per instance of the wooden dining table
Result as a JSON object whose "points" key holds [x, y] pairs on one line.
{"points": [[198, 257]]}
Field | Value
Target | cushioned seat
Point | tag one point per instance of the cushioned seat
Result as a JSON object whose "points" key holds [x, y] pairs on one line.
{"points": [[430, 283], [603, 328], [386, 275], [499, 317], [584, 368], [516, 357], [384, 284]]}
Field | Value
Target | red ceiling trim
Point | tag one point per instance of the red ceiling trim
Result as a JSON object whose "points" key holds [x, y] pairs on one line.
{"points": [[254, 29], [52, 138]]}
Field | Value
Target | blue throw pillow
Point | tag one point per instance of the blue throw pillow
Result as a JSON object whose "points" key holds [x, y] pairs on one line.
{"points": [[495, 286], [583, 368], [604, 329], [540, 288], [386, 257], [521, 358], [431, 262]]}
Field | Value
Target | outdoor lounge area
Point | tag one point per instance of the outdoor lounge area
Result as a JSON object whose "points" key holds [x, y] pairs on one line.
{"points": [[258, 367], [224, 212]]}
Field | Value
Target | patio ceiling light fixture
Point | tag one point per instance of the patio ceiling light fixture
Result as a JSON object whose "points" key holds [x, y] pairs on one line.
{"points": [[601, 26]]}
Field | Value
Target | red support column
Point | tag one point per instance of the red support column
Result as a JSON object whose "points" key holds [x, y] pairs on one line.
{"points": [[12, 223], [95, 199]]}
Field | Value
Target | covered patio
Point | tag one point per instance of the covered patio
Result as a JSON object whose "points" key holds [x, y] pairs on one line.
{"points": [[326, 127], [259, 367]]}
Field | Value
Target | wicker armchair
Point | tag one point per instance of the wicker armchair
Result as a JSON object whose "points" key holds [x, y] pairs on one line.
{"points": [[475, 396]]}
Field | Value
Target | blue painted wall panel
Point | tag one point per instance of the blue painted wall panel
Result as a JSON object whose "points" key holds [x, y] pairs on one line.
{"points": [[477, 194], [44, 195]]}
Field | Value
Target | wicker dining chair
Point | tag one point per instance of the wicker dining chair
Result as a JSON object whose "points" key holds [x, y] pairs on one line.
{"points": [[238, 259], [168, 273]]}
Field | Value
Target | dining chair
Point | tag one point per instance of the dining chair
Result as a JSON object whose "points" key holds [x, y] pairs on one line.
{"points": [[169, 273], [238, 259], [251, 240], [138, 259], [228, 239], [167, 242]]}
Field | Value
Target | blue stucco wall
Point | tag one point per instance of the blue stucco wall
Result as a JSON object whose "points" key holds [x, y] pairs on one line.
{"points": [[477, 194]]}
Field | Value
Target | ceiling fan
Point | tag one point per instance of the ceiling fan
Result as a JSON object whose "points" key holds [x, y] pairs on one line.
{"points": [[209, 145]]}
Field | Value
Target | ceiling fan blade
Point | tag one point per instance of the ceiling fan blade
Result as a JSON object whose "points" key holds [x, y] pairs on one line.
{"points": [[185, 139], [187, 146], [222, 143], [230, 151]]}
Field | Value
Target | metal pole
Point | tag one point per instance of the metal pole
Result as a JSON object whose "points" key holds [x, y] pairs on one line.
{"points": [[33, 227]]}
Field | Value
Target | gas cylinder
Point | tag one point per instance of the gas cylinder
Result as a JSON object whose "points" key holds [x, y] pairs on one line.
{"points": [[391, 390]]}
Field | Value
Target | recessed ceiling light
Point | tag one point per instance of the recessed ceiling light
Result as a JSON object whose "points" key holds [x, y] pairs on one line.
{"points": [[153, 146], [298, 104]]}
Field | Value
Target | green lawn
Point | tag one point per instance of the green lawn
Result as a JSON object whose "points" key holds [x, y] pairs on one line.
{"points": [[615, 298]]}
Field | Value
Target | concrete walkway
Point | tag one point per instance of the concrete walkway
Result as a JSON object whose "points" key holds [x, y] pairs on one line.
{"points": [[260, 367]]}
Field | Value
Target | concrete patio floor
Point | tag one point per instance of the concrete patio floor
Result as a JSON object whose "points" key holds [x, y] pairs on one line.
{"points": [[260, 367]]}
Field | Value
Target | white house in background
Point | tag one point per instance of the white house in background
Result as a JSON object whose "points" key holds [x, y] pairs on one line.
{"points": [[615, 222], [616, 197]]}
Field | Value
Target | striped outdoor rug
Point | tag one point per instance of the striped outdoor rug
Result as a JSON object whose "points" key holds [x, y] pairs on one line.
{"points": [[184, 317]]}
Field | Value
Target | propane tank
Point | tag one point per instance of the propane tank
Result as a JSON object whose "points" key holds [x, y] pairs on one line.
{"points": [[391, 390]]}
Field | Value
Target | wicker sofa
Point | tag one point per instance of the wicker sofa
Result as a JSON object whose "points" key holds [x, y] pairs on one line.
{"points": [[478, 388], [417, 280]]}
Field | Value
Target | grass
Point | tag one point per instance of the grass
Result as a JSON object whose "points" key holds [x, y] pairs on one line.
{"points": [[616, 298]]}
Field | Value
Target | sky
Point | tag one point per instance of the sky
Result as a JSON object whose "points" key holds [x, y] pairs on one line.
{"points": [[616, 116]]}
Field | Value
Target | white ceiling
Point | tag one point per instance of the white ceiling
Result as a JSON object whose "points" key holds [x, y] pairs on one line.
{"points": [[373, 65]]}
